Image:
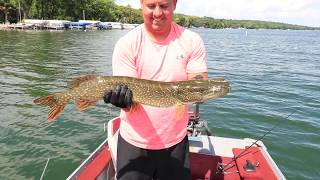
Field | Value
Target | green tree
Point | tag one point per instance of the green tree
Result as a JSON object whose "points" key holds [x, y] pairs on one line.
{"points": [[107, 10], [7, 12]]}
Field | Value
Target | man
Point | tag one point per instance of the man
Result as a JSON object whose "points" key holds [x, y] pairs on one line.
{"points": [[153, 142]]}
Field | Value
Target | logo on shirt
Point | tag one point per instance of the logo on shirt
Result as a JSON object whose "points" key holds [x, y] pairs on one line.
{"points": [[180, 57]]}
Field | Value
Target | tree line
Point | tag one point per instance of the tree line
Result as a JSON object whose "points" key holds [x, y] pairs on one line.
{"points": [[72, 10], [106, 10], [209, 22]]}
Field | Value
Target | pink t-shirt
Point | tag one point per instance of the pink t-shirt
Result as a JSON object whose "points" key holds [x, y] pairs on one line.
{"points": [[136, 55]]}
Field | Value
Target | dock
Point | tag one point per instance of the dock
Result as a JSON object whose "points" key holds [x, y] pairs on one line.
{"points": [[38, 24]]}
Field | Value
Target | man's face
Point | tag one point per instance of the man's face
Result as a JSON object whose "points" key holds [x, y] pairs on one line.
{"points": [[158, 14]]}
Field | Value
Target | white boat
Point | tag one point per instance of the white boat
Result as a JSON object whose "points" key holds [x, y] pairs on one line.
{"points": [[116, 25], [56, 24], [46, 24], [129, 26]]}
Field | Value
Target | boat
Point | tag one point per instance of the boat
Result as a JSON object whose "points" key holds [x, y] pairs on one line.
{"points": [[57, 24], [79, 24], [130, 26], [116, 25], [104, 26], [211, 157], [46, 24]]}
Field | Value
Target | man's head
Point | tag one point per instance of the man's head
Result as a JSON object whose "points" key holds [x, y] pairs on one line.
{"points": [[158, 15]]}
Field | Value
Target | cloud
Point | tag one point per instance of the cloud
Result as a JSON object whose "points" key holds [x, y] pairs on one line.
{"points": [[302, 12]]}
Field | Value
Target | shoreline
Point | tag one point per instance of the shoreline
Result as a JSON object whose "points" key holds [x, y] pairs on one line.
{"points": [[21, 27], [60, 25]]}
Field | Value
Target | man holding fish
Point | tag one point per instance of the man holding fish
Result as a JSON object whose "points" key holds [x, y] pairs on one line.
{"points": [[154, 67], [153, 141]]}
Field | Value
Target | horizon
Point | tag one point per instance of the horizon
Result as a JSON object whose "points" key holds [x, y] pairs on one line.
{"points": [[296, 12]]}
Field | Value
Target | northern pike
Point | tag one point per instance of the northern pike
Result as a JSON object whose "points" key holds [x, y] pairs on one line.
{"points": [[87, 90]]}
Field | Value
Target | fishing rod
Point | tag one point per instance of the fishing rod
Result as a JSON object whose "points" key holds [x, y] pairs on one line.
{"points": [[222, 167]]}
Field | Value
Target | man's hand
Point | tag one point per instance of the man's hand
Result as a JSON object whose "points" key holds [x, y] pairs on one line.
{"points": [[121, 97]]}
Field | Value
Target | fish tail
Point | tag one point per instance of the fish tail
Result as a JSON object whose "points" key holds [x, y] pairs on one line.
{"points": [[45, 100], [52, 101]]}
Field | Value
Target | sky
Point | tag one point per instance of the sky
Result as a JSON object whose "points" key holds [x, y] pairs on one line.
{"points": [[300, 12]]}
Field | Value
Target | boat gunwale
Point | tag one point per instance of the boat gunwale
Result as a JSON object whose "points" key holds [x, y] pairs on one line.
{"points": [[89, 159]]}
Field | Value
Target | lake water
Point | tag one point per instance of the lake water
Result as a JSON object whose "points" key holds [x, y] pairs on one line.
{"points": [[273, 73]]}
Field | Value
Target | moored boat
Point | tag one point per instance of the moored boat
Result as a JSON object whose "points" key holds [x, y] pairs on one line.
{"points": [[211, 157]]}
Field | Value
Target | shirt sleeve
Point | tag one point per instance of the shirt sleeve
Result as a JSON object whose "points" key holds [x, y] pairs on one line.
{"points": [[123, 59], [197, 59]]}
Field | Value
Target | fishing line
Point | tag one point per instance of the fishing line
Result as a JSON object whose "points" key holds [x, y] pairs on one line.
{"points": [[221, 168], [45, 168]]}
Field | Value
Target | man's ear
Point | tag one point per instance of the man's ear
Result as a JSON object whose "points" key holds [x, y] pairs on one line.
{"points": [[175, 4]]}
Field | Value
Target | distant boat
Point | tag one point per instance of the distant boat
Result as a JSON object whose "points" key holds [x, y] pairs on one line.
{"points": [[116, 25], [46, 24], [81, 24], [130, 26], [57, 24], [104, 25], [85, 24]]}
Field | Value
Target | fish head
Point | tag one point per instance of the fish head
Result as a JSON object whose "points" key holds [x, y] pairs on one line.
{"points": [[215, 88], [201, 90]]}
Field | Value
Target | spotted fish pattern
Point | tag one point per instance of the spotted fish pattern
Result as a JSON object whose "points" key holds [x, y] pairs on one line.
{"points": [[89, 89]]}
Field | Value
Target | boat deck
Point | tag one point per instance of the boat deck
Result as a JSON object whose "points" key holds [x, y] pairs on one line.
{"points": [[211, 157], [206, 154]]}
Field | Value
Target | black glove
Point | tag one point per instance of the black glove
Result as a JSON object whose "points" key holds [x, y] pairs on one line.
{"points": [[121, 97]]}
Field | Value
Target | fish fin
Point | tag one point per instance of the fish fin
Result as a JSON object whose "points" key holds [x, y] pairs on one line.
{"points": [[55, 111], [46, 100], [51, 101], [77, 81], [180, 110], [85, 104]]}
